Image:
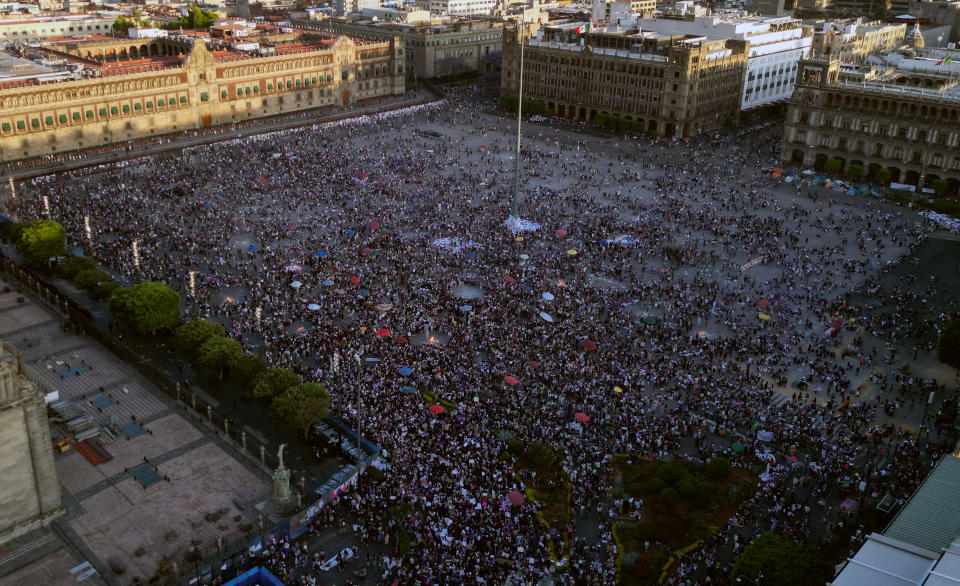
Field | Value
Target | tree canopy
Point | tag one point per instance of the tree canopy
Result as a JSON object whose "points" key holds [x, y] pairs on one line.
{"points": [[219, 353], [146, 306], [948, 347], [41, 240], [273, 382], [300, 406], [774, 560], [196, 18], [124, 23], [191, 335]]}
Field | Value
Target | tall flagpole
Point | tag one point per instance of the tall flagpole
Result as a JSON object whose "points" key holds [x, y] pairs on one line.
{"points": [[515, 205]]}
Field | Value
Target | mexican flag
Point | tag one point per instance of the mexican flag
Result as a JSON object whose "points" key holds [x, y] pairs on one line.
{"points": [[944, 61], [584, 28]]}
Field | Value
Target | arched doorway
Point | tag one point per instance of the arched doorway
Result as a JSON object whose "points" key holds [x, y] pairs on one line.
{"points": [[820, 162], [671, 129], [872, 169], [953, 187], [796, 157], [652, 126], [912, 178], [894, 174]]}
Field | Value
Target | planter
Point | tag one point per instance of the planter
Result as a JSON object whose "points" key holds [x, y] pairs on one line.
{"points": [[20, 299]]}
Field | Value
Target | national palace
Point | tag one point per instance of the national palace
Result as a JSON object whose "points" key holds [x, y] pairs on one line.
{"points": [[132, 88]]}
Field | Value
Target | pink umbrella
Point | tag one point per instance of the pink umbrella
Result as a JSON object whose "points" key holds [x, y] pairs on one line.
{"points": [[581, 417], [383, 332], [848, 504], [561, 233], [516, 498], [510, 380], [374, 225], [354, 279], [436, 409], [509, 279], [366, 250], [764, 303], [533, 364], [589, 345], [399, 340]]}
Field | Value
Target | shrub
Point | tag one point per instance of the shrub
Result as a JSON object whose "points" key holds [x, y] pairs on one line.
{"points": [[88, 279], [882, 176], [105, 289], [855, 171], [718, 468], [938, 185], [645, 530], [68, 268], [687, 486], [541, 455], [671, 471], [669, 496], [656, 485], [629, 558], [515, 446], [945, 206], [833, 165]]}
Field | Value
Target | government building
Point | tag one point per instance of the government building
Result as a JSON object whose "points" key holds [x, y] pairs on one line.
{"points": [[676, 84], [893, 119], [132, 88]]}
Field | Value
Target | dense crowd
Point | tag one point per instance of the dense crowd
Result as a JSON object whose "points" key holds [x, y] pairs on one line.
{"points": [[627, 298]]}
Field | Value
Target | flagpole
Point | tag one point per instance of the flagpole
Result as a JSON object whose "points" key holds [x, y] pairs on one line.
{"points": [[515, 204]]}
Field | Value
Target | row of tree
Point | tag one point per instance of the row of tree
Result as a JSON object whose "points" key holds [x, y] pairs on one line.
{"points": [[291, 401], [533, 107], [196, 18], [617, 124]]}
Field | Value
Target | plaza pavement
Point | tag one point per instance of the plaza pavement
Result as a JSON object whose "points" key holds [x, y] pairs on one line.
{"points": [[109, 516]]}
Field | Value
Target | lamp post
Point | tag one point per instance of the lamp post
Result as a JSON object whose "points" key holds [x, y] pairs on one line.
{"points": [[515, 204]]}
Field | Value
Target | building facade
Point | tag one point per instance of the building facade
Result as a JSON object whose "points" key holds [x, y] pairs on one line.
{"points": [[458, 7], [31, 30], [147, 87], [434, 48], [850, 41], [29, 491], [892, 124], [776, 45], [676, 85]]}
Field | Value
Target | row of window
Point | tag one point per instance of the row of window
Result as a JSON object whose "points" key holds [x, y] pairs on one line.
{"points": [[91, 114]]}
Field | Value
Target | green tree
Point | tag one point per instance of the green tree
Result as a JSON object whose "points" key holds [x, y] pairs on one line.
{"points": [[718, 468], [882, 176], [69, 267], [833, 165], [948, 346], [220, 354], [247, 367], [88, 279], [687, 486], [191, 335], [41, 240], [541, 455], [671, 471], [124, 23], [301, 406], [669, 496], [938, 186], [656, 485], [146, 306], [775, 560], [273, 382], [855, 171], [196, 18], [105, 289]]}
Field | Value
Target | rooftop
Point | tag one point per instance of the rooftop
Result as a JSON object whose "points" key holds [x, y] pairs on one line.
{"points": [[931, 519]]}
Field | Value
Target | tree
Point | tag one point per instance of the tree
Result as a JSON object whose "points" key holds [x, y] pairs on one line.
{"points": [[41, 240], [219, 353], [882, 176], [948, 346], [191, 335], [196, 18], [147, 306], [271, 383], [247, 367], [68, 268], [105, 289], [855, 171], [88, 279], [775, 560], [833, 165], [301, 406], [718, 468], [669, 496], [541, 455], [124, 23], [939, 186]]}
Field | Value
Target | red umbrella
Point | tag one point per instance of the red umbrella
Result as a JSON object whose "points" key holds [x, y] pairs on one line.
{"points": [[383, 332], [366, 250], [561, 233], [510, 380], [533, 364], [374, 225], [589, 345], [399, 340], [836, 324], [436, 409], [581, 417], [516, 498], [509, 279], [764, 303], [354, 279]]}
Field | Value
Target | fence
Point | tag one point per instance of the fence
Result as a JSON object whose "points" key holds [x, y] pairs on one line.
{"points": [[222, 559]]}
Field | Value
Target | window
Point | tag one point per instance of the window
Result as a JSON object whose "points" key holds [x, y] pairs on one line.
{"points": [[90, 113], [114, 110], [126, 108], [204, 96], [223, 94], [5, 127], [49, 120], [103, 111], [137, 107], [35, 123], [171, 102], [76, 116], [22, 126]]}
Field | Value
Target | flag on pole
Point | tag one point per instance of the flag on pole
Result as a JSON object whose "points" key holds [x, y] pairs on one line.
{"points": [[582, 29]]}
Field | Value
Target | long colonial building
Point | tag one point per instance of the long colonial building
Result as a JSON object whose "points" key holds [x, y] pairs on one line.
{"points": [[676, 84], [900, 115], [136, 88]]}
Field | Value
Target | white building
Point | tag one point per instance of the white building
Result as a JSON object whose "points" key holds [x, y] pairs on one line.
{"points": [[776, 44], [31, 30], [458, 7]]}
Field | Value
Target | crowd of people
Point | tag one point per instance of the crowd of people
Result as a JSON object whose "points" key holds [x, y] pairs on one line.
{"points": [[669, 289]]}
